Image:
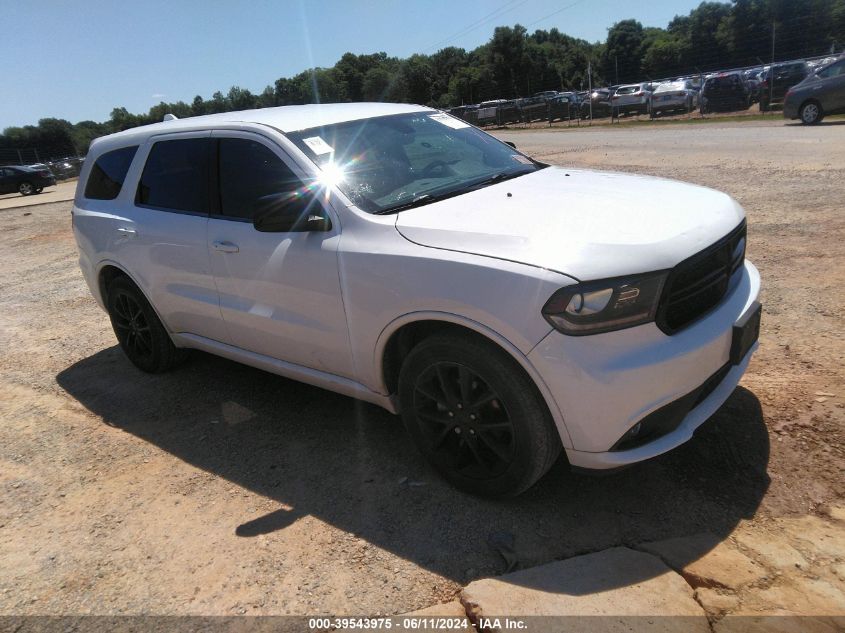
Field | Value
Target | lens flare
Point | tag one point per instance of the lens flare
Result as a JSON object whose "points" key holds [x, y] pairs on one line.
{"points": [[332, 174]]}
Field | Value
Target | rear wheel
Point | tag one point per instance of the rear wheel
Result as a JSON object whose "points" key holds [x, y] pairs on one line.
{"points": [[26, 188], [811, 113], [476, 416], [140, 333]]}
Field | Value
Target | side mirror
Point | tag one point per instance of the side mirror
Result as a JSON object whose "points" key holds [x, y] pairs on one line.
{"points": [[289, 212], [511, 143]]}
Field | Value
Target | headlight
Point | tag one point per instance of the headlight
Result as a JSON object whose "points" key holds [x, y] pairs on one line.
{"points": [[601, 306]]}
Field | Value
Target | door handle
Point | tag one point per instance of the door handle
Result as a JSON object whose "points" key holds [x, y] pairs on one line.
{"points": [[225, 247], [127, 233]]}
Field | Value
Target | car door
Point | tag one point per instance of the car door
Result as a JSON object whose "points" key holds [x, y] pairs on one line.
{"points": [[160, 237], [279, 291], [831, 87], [5, 180]]}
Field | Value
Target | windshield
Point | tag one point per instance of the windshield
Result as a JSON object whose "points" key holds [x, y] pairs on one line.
{"points": [[675, 85], [387, 163]]}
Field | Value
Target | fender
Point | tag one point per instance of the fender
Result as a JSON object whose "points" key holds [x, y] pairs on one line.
{"points": [[494, 337], [100, 299]]}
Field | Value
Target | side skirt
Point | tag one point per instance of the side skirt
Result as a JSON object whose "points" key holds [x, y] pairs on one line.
{"points": [[307, 375]]}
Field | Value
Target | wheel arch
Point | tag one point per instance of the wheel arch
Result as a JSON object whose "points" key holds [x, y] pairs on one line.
{"points": [[107, 271], [400, 336]]}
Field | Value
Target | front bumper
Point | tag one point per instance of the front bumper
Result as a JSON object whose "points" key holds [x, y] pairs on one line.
{"points": [[790, 108], [604, 384]]}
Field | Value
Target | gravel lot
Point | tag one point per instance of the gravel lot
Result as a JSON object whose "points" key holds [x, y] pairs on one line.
{"points": [[219, 489]]}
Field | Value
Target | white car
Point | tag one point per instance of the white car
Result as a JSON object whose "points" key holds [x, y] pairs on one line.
{"points": [[631, 98], [675, 96], [506, 308]]}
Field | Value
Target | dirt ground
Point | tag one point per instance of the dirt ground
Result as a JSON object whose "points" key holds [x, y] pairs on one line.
{"points": [[220, 489]]}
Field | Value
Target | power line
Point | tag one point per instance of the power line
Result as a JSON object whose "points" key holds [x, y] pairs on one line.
{"points": [[569, 6], [480, 22]]}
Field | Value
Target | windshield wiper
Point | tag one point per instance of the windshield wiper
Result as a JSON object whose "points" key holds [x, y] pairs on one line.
{"points": [[416, 202]]}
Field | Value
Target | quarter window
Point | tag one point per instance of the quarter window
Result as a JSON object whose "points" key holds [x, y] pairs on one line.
{"points": [[833, 70], [176, 176], [249, 173], [108, 173]]}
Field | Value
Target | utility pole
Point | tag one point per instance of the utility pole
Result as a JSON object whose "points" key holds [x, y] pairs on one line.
{"points": [[772, 69], [616, 62], [590, 88]]}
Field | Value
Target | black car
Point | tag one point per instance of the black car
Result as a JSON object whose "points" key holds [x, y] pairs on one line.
{"points": [[24, 180], [725, 92], [564, 107], [601, 106], [776, 81]]}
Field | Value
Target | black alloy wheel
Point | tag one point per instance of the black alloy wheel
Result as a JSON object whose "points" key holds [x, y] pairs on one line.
{"points": [[464, 420], [475, 415], [131, 327], [140, 333]]}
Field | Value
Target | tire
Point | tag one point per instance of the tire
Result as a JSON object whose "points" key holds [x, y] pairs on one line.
{"points": [[811, 113], [140, 333], [26, 188], [476, 416]]}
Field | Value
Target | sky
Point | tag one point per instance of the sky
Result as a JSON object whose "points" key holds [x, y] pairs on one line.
{"points": [[78, 60]]}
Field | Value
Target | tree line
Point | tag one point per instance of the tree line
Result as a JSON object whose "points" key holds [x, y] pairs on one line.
{"points": [[512, 63]]}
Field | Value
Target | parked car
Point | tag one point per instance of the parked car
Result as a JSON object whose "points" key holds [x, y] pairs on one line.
{"points": [[25, 180], [546, 94], [676, 96], [507, 309], [508, 112], [724, 92], [776, 81], [65, 168], [564, 107], [820, 94], [533, 109], [598, 105], [752, 82], [631, 98]]}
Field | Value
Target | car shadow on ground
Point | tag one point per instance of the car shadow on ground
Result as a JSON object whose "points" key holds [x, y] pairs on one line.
{"points": [[352, 465]]}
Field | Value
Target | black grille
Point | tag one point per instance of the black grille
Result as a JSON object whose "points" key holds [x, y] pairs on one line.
{"points": [[698, 284]]}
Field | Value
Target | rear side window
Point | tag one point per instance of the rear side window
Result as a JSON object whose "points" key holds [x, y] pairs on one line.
{"points": [[249, 173], [176, 176], [834, 70], [108, 173]]}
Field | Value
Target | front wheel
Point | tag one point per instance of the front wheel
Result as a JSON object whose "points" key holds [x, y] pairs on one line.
{"points": [[140, 333], [26, 189], [811, 113], [476, 415]]}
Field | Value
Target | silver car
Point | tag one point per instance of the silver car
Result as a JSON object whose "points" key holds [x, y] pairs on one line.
{"points": [[631, 98], [675, 96], [820, 94]]}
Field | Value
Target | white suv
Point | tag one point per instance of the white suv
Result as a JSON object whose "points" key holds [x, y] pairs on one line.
{"points": [[392, 253]]}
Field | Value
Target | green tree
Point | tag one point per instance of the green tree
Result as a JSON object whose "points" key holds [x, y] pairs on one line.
{"points": [[623, 51]]}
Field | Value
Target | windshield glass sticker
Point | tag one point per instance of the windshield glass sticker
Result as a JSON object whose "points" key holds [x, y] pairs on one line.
{"points": [[445, 119], [317, 145]]}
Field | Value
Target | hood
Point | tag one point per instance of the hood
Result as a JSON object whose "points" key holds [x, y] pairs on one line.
{"points": [[585, 224]]}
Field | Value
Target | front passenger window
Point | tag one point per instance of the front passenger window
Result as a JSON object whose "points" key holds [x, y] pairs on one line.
{"points": [[249, 172]]}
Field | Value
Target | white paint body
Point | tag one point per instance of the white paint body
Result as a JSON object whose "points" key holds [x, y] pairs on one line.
{"points": [[321, 307]]}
